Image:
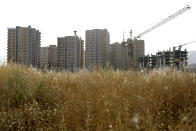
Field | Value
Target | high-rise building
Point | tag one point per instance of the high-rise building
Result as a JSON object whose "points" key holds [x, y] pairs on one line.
{"points": [[52, 57], [97, 41], [44, 57], [116, 56], [82, 55], [139, 47], [131, 53], [23, 46], [126, 58], [136, 50], [69, 53]]}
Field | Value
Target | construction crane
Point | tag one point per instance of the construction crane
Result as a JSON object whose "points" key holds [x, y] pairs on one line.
{"points": [[180, 57], [130, 42], [180, 46], [164, 21]]}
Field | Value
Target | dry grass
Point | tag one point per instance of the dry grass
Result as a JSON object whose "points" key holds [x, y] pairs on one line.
{"points": [[100, 100]]}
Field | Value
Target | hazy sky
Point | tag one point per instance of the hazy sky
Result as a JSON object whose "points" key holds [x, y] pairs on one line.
{"points": [[57, 18]]}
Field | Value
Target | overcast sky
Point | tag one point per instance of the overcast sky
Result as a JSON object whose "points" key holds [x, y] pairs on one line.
{"points": [[57, 18]]}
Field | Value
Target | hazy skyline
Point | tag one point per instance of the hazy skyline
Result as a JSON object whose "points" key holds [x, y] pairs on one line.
{"points": [[61, 17]]}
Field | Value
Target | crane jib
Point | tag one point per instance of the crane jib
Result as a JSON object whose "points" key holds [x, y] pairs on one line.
{"points": [[169, 18]]}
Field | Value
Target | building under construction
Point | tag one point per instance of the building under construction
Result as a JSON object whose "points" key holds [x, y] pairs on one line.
{"points": [[132, 50], [135, 47], [176, 59]]}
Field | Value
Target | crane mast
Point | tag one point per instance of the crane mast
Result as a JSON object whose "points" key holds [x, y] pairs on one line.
{"points": [[169, 18]]}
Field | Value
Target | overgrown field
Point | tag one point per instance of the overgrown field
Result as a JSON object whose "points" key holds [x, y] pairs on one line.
{"points": [[100, 100]]}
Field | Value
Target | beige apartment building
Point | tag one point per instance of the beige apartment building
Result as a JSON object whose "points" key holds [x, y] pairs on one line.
{"points": [[82, 54], [23, 46], [52, 57], [69, 53], [136, 49], [139, 46], [44, 57], [116, 57], [97, 41]]}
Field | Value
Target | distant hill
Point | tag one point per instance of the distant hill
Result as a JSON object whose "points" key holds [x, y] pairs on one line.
{"points": [[193, 65], [192, 60], [192, 57]]}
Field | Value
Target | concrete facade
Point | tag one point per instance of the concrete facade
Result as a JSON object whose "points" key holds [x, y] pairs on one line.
{"points": [[82, 54], [52, 57], [23, 46], [116, 56], [69, 53], [139, 47], [97, 41], [135, 50], [44, 57]]}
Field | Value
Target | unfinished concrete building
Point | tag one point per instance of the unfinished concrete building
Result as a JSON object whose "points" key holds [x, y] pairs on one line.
{"points": [[24, 46], [69, 51], [96, 48], [144, 62], [175, 59], [180, 58], [165, 59]]}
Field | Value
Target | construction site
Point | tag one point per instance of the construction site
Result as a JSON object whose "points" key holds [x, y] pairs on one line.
{"points": [[69, 52], [134, 50], [175, 58]]}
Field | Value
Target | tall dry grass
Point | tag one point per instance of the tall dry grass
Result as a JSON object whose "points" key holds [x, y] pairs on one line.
{"points": [[99, 100]]}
